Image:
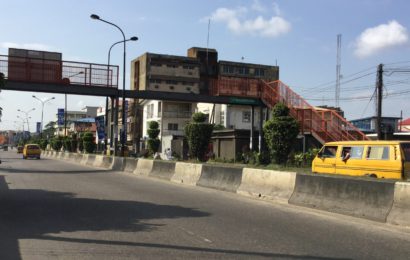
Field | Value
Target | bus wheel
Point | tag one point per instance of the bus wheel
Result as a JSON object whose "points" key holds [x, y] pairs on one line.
{"points": [[373, 175]]}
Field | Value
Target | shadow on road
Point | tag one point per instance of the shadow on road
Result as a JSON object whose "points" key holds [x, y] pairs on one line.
{"points": [[36, 214], [30, 214]]}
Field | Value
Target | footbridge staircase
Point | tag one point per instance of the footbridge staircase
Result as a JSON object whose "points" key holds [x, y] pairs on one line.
{"points": [[325, 125]]}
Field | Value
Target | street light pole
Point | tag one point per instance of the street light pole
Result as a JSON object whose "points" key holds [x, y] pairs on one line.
{"points": [[96, 17], [134, 38], [26, 113], [42, 111]]}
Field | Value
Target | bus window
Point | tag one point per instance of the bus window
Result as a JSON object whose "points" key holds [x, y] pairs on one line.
{"points": [[378, 153], [406, 152], [352, 152], [329, 152]]}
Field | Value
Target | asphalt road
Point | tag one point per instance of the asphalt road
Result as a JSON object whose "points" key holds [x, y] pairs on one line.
{"points": [[52, 209]]}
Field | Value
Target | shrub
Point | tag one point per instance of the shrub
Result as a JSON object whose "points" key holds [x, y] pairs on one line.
{"points": [[198, 134], [280, 133], [57, 143], [153, 141], [67, 144], [88, 142], [43, 144]]}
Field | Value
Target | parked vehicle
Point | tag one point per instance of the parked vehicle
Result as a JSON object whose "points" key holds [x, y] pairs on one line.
{"points": [[19, 149], [31, 151], [380, 159]]}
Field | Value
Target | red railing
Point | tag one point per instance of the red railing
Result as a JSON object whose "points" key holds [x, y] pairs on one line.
{"points": [[326, 125], [241, 87], [58, 72]]}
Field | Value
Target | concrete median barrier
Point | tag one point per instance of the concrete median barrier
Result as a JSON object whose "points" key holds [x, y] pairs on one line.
{"points": [[90, 159], [162, 170], [98, 161], [130, 164], [276, 185], [118, 163], [400, 212], [220, 177], [144, 167], [187, 173], [363, 198], [78, 158], [84, 158], [107, 162]]}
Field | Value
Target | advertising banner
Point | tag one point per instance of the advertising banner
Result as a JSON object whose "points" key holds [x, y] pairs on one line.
{"points": [[99, 121], [60, 117], [38, 127]]}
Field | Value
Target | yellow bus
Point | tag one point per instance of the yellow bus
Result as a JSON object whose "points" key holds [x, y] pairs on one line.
{"points": [[379, 159]]}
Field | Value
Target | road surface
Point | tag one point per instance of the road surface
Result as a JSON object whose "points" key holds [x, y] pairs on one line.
{"points": [[52, 209]]}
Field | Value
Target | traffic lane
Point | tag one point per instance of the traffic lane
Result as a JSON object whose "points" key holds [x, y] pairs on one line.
{"points": [[223, 225]]}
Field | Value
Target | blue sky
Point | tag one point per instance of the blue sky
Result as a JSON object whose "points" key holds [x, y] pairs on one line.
{"points": [[299, 36]]}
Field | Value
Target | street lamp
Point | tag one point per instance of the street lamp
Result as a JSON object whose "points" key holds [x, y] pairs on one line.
{"points": [[26, 113], [96, 17], [42, 109], [134, 38]]}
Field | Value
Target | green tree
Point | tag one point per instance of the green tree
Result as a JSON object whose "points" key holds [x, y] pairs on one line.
{"points": [[74, 143], [153, 141], [81, 143], [88, 142], [67, 144], [57, 143], [49, 130], [280, 133], [198, 133]]}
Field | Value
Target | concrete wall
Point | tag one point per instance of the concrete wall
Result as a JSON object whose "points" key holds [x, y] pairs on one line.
{"points": [[364, 198], [374, 199]]}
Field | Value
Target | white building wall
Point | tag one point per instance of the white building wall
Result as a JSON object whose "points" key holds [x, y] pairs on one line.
{"points": [[231, 116]]}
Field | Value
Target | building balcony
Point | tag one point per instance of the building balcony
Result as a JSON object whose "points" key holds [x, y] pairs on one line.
{"points": [[176, 114]]}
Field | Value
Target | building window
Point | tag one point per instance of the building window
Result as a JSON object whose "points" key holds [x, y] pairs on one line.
{"points": [[243, 70], [188, 67], [172, 127], [171, 87], [172, 82], [222, 118], [157, 81], [228, 69], [246, 116], [171, 66], [159, 107], [150, 111], [259, 72], [156, 65]]}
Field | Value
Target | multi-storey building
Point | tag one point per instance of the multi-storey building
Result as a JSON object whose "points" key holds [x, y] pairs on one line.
{"points": [[198, 73], [166, 73]]}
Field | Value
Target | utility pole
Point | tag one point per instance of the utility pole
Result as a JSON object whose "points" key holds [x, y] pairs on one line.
{"points": [[338, 59], [379, 91]]}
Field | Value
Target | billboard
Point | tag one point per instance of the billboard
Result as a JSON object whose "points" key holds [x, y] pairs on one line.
{"points": [[60, 117], [38, 127], [99, 121]]}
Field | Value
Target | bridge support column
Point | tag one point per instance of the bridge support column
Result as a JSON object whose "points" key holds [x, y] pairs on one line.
{"points": [[116, 126], [252, 121], [261, 120]]}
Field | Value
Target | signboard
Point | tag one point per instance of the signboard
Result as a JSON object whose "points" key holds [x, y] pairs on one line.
{"points": [[99, 121], [243, 101], [60, 117], [38, 127]]}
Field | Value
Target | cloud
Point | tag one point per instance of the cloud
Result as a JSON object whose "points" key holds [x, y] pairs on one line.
{"points": [[237, 22], [379, 38], [257, 6], [28, 46]]}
